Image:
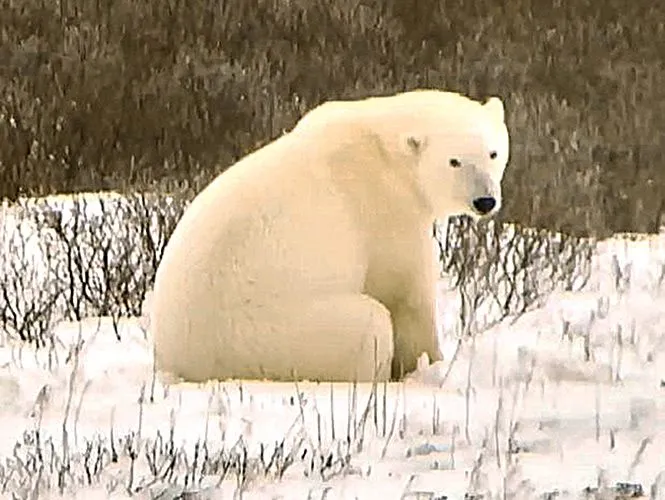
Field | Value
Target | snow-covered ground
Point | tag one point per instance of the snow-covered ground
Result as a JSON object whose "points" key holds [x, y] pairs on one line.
{"points": [[568, 396]]}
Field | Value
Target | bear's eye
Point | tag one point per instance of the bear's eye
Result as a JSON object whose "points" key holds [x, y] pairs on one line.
{"points": [[455, 163], [493, 155]]}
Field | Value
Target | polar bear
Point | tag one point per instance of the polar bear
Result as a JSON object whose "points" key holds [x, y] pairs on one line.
{"points": [[312, 257]]}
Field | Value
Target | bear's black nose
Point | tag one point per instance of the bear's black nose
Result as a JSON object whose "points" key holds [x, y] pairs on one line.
{"points": [[484, 205]]}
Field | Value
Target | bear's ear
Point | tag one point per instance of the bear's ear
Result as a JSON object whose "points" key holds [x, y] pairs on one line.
{"points": [[494, 107], [414, 143]]}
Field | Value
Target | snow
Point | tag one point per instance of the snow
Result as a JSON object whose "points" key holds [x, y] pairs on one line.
{"points": [[567, 396]]}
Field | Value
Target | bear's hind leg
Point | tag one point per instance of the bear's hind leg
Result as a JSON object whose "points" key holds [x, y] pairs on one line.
{"points": [[332, 338], [337, 338]]}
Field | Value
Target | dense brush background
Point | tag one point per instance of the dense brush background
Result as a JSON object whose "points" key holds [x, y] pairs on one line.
{"points": [[162, 95]]}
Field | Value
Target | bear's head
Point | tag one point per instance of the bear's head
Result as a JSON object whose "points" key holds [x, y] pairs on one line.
{"points": [[461, 147]]}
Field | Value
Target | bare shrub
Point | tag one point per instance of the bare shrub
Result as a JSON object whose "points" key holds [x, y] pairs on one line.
{"points": [[506, 269], [68, 258]]}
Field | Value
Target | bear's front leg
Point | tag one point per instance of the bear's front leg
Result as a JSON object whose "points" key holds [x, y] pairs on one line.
{"points": [[414, 314], [412, 303], [414, 330]]}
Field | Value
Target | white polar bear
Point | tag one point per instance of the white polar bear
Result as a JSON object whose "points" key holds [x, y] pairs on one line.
{"points": [[312, 258]]}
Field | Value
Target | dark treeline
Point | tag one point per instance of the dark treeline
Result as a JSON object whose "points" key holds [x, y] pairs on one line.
{"points": [[150, 95]]}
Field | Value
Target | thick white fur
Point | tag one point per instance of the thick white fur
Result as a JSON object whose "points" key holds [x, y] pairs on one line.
{"points": [[312, 257]]}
